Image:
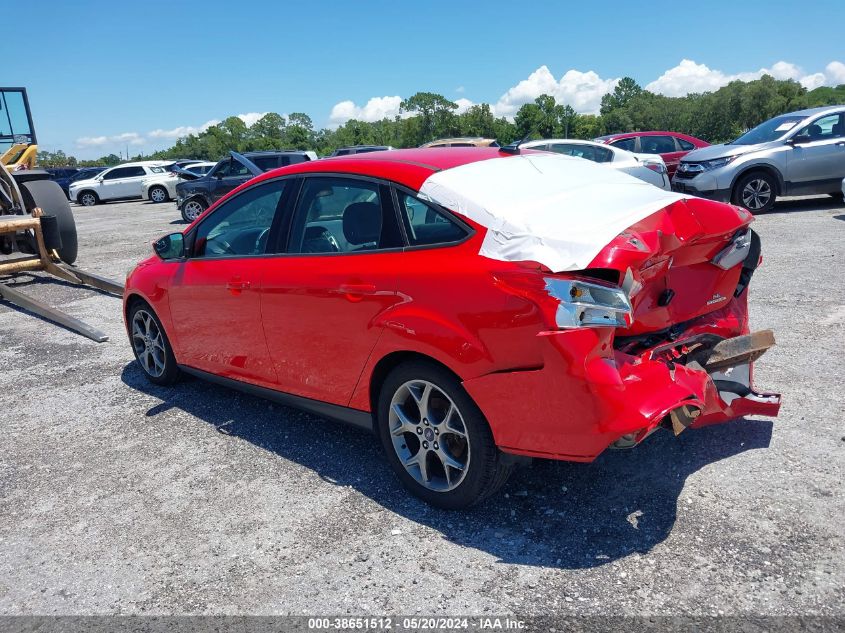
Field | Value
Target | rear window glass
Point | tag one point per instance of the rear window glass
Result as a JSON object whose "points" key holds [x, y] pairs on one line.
{"points": [[426, 225], [685, 145], [266, 163], [657, 144]]}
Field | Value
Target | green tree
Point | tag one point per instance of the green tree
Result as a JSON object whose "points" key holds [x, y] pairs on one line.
{"points": [[624, 91], [436, 114]]}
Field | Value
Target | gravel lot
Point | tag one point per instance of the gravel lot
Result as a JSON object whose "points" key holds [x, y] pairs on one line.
{"points": [[119, 497]]}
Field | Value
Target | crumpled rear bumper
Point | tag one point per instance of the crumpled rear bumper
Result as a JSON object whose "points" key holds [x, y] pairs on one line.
{"points": [[588, 395]]}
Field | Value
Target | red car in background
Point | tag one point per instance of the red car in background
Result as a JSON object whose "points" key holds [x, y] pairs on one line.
{"points": [[671, 146], [468, 305]]}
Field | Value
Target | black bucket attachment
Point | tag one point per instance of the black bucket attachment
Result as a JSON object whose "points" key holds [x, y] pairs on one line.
{"points": [[51, 233]]}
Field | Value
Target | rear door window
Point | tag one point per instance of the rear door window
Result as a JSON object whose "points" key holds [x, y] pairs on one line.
{"points": [[266, 163], [343, 215], [657, 145], [124, 172], [685, 145], [425, 225]]}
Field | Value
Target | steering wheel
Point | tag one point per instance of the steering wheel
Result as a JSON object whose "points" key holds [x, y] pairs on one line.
{"points": [[261, 241], [219, 246]]}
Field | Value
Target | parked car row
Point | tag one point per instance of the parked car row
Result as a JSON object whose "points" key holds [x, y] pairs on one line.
{"points": [[800, 153], [650, 168]]}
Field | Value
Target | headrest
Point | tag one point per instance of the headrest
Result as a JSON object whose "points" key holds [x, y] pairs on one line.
{"points": [[362, 223]]}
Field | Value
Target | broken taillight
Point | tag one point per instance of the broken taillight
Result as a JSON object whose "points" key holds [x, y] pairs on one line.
{"points": [[571, 301]]}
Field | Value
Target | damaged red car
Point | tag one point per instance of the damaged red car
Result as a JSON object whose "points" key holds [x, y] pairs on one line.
{"points": [[471, 306]]}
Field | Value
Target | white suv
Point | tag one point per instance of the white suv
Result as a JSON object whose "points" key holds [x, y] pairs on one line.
{"points": [[117, 183], [161, 186]]}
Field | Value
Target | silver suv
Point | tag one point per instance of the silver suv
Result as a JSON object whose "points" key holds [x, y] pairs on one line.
{"points": [[800, 153]]}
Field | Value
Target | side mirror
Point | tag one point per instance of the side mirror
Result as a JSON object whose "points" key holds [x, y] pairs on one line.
{"points": [[170, 246], [798, 140]]}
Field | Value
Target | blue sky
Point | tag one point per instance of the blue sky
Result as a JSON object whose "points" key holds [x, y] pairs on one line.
{"points": [[104, 74]]}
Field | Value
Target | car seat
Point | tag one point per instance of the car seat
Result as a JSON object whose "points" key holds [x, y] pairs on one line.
{"points": [[362, 225]]}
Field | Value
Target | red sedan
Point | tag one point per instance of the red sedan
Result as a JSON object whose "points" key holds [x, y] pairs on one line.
{"points": [[473, 307], [671, 146]]}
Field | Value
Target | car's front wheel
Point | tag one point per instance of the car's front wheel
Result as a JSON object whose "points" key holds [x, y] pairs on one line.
{"points": [[158, 194], [191, 210], [436, 438], [87, 198], [756, 192], [151, 346]]}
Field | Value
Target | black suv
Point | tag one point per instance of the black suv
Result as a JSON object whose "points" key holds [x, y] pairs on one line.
{"points": [[63, 176], [196, 193]]}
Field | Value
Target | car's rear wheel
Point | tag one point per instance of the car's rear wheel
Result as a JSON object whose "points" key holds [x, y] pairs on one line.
{"points": [[87, 198], [151, 346], [191, 210], [436, 438], [158, 194], [755, 192]]}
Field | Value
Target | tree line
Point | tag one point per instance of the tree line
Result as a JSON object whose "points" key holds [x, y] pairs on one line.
{"points": [[715, 117]]}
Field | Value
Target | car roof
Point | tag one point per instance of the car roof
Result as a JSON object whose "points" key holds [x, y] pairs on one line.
{"points": [[813, 111], [608, 137], [409, 167], [574, 141]]}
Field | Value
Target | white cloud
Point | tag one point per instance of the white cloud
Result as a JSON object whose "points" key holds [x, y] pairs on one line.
{"points": [[251, 117], [92, 141], [182, 130], [460, 90], [582, 90], [375, 109], [131, 138], [835, 71], [463, 105], [690, 76]]}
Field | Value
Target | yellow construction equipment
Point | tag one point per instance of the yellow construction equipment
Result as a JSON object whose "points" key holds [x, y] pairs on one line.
{"points": [[37, 229]]}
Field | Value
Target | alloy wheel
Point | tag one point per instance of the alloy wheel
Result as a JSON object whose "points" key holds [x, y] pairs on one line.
{"points": [[148, 343], [88, 199], [193, 210], [429, 436], [756, 194], [157, 194]]}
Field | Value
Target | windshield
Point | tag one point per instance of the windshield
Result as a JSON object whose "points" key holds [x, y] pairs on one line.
{"points": [[771, 130]]}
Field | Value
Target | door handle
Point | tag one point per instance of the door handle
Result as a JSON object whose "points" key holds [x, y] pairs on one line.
{"points": [[357, 289], [237, 285]]}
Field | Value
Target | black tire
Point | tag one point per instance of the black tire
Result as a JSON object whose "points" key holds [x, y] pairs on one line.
{"points": [[47, 195], [755, 191], [186, 209], [87, 198], [163, 195], [486, 468], [170, 371]]}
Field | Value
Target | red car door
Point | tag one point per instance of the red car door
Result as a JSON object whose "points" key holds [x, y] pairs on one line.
{"points": [[321, 301], [215, 294]]}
